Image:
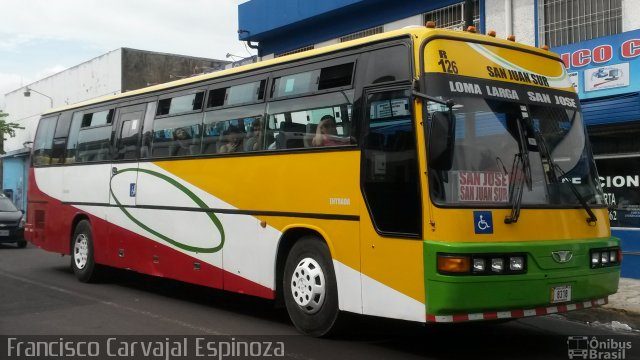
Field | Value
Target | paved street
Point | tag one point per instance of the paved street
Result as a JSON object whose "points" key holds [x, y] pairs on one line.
{"points": [[40, 296]]}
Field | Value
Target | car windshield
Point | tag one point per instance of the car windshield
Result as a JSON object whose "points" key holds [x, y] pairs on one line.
{"points": [[502, 142], [6, 205]]}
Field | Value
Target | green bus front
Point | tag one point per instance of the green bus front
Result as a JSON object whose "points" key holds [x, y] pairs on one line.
{"points": [[516, 223]]}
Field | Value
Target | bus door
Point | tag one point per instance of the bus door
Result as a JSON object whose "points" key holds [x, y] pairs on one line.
{"points": [[390, 181], [126, 249]]}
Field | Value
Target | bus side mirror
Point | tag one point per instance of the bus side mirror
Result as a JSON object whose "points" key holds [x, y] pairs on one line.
{"points": [[441, 140]]}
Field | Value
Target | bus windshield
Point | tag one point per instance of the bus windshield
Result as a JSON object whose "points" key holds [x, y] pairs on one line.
{"points": [[498, 142]]}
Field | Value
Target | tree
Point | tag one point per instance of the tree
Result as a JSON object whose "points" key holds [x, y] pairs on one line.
{"points": [[6, 128]]}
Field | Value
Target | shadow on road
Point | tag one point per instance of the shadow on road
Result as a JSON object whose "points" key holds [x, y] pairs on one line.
{"points": [[516, 339]]}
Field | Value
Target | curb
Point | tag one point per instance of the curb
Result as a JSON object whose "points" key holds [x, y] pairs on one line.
{"points": [[605, 315], [623, 307]]}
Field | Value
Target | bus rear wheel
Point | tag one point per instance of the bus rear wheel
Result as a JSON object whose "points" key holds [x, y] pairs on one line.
{"points": [[82, 258], [309, 287]]}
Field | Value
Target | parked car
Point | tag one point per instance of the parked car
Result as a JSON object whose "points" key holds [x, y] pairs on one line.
{"points": [[12, 223]]}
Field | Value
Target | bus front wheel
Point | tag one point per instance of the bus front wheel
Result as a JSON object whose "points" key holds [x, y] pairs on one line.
{"points": [[82, 259], [310, 290]]}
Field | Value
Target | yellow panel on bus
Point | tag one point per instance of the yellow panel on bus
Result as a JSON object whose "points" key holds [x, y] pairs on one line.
{"points": [[496, 63]]}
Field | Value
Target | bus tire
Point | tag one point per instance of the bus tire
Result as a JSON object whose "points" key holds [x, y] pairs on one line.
{"points": [[310, 289], [82, 253]]}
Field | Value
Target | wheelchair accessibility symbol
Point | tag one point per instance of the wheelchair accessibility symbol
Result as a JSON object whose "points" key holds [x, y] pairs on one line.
{"points": [[483, 222]]}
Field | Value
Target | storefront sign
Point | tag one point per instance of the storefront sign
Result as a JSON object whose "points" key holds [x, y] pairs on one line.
{"points": [[603, 66], [620, 181]]}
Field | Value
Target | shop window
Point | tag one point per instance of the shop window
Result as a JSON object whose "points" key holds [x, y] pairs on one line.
{"points": [[563, 22]]}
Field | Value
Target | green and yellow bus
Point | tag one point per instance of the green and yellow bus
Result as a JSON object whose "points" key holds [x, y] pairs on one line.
{"points": [[421, 174]]}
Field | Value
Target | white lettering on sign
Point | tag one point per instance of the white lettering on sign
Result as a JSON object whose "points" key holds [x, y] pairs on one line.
{"points": [[488, 186], [565, 101], [539, 97], [620, 181], [502, 92], [464, 87]]}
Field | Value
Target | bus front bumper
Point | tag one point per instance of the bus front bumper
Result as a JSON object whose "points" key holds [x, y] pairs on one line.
{"points": [[453, 298]]}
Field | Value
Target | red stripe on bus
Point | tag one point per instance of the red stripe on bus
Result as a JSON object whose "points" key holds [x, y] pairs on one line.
{"points": [[460, 317]]}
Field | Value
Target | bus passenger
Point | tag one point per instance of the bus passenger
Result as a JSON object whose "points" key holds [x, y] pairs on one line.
{"points": [[182, 142], [254, 141], [326, 133], [231, 140]]}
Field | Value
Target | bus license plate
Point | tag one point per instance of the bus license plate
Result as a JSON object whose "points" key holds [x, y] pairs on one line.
{"points": [[4, 232], [560, 294]]}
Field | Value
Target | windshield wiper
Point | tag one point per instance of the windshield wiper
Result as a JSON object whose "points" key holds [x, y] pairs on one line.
{"points": [[516, 189], [544, 149], [448, 103]]}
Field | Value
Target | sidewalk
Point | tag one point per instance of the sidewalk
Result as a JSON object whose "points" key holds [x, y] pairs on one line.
{"points": [[623, 307]]}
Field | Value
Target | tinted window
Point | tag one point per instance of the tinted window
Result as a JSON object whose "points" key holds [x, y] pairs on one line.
{"points": [[180, 104], [385, 65], [391, 165], [43, 142], [335, 76], [314, 80], [72, 143], [322, 120], [177, 135], [237, 94], [296, 84], [60, 139], [127, 133], [236, 129], [90, 136], [93, 144]]}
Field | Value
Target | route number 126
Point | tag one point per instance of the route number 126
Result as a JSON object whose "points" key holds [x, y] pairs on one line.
{"points": [[448, 66]]}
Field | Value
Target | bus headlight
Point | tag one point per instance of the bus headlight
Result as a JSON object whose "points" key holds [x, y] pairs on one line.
{"points": [[516, 263], [497, 265], [595, 259], [605, 257], [613, 256], [478, 265], [482, 264]]}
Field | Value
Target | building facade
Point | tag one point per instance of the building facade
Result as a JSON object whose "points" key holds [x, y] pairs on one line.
{"points": [[115, 72], [599, 42]]}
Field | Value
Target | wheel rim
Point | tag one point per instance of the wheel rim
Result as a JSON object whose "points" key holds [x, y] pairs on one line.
{"points": [[308, 286], [81, 251]]}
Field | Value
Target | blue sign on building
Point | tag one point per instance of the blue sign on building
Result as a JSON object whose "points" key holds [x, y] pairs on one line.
{"points": [[606, 75], [605, 66]]}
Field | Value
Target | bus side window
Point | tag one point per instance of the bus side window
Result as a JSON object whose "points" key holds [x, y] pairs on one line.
{"points": [[58, 151], [43, 142], [177, 135], [93, 141], [177, 128], [72, 141], [294, 123], [238, 128]]}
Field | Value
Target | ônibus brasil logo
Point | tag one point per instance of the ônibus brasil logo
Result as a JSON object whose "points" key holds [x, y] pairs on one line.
{"points": [[583, 347]]}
